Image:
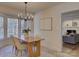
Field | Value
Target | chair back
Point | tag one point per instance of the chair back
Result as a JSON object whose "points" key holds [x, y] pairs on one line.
{"points": [[17, 42]]}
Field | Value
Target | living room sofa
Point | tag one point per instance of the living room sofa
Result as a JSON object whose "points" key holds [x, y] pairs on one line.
{"points": [[71, 38]]}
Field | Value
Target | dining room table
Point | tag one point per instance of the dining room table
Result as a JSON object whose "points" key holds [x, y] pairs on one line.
{"points": [[33, 45]]}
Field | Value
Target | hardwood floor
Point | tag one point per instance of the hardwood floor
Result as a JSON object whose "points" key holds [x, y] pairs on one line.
{"points": [[72, 49], [71, 46]]}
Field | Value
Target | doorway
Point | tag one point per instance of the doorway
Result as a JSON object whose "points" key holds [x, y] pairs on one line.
{"points": [[70, 32]]}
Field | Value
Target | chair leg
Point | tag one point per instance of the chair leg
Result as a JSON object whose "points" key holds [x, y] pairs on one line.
{"points": [[16, 51], [21, 53], [13, 49]]}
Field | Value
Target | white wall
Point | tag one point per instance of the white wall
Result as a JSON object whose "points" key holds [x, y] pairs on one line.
{"points": [[36, 25], [70, 27], [53, 39]]}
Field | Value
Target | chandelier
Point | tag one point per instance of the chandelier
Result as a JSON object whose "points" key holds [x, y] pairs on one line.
{"points": [[27, 15]]}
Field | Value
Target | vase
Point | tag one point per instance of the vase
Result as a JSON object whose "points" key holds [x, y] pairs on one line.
{"points": [[26, 35]]}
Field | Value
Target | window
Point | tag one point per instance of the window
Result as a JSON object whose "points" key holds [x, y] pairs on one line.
{"points": [[22, 27], [1, 28], [12, 27]]}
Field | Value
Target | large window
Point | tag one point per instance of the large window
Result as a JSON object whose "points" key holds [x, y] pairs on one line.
{"points": [[12, 28], [1, 28], [22, 27]]}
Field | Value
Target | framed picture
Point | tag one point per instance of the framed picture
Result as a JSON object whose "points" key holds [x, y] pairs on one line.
{"points": [[46, 24], [74, 24]]}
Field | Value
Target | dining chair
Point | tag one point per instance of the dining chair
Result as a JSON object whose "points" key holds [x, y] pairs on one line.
{"points": [[19, 48]]}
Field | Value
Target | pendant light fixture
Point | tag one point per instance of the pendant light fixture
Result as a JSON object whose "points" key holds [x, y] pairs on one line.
{"points": [[26, 16]]}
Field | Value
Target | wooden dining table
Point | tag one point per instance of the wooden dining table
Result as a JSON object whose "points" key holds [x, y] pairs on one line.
{"points": [[33, 45]]}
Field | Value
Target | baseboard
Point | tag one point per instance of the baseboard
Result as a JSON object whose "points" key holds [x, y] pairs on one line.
{"points": [[50, 51]]}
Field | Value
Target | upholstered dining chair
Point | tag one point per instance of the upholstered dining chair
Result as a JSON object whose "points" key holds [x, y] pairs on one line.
{"points": [[19, 48]]}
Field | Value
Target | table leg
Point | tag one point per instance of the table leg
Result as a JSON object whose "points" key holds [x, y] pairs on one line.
{"points": [[37, 51], [29, 47]]}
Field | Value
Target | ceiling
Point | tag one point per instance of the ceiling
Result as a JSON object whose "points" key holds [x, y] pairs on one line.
{"points": [[32, 7]]}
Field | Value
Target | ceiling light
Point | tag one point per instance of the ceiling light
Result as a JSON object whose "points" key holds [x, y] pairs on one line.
{"points": [[27, 15]]}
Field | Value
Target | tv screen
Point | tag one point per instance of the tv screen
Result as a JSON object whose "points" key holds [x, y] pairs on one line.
{"points": [[71, 31], [74, 31]]}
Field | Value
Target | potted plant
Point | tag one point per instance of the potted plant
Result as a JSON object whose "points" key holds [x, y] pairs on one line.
{"points": [[26, 32]]}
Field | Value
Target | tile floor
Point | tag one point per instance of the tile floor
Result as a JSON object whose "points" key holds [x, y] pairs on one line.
{"points": [[7, 52]]}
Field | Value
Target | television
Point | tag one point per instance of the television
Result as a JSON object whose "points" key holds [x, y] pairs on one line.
{"points": [[71, 31]]}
